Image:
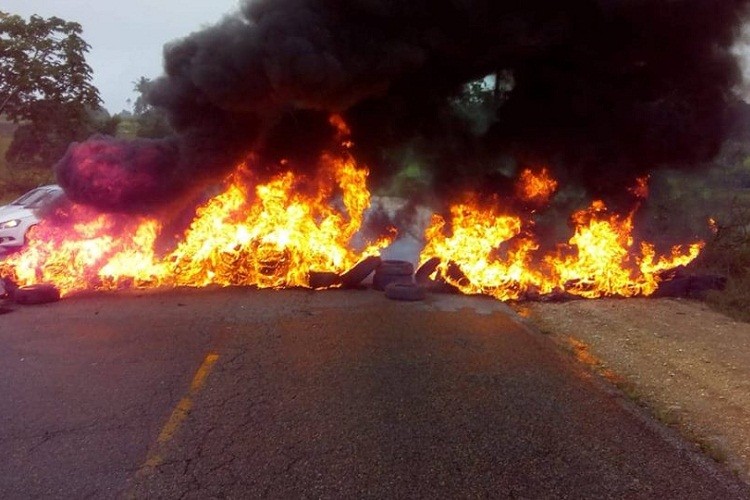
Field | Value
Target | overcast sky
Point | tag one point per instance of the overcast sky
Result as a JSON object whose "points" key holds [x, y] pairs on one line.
{"points": [[126, 37]]}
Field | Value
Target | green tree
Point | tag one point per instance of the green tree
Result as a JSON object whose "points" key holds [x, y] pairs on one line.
{"points": [[140, 106], [152, 122], [45, 86], [42, 59]]}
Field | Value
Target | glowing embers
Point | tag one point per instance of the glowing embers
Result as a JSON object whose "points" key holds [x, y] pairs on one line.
{"points": [[483, 251], [267, 235]]}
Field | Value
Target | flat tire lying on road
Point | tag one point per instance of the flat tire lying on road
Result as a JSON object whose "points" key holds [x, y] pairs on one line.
{"points": [[36, 294], [405, 291]]}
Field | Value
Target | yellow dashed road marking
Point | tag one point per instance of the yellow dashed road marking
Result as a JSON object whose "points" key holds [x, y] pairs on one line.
{"points": [[156, 455]]}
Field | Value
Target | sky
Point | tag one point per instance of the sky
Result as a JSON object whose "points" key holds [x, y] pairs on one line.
{"points": [[126, 37]]}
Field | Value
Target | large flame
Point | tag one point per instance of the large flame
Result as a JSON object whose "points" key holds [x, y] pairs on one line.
{"points": [[272, 237], [484, 251], [274, 234]]}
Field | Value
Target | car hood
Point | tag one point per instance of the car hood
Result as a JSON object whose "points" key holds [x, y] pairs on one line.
{"points": [[10, 212]]}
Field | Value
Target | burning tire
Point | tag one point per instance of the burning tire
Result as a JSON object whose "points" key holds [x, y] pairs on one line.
{"points": [[321, 279], [36, 294], [424, 272], [359, 272], [405, 291], [392, 271]]}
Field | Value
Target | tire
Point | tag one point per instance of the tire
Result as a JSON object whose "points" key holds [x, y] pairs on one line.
{"points": [[36, 294], [380, 280], [354, 276], [396, 268], [392, 271], [402, 291], [425, 270], [322, 279]]}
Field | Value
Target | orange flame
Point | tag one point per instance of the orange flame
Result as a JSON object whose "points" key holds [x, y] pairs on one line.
{"points": [[273, 238], [475, 247], [274, 234], [488, 253], [536, 187], [600, 260]]}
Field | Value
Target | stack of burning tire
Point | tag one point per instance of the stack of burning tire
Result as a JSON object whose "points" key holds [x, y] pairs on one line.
{"points": [[392, 271], [396, 278]]}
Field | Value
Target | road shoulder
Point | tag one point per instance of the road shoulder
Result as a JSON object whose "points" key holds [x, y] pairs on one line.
{"points": [[689, 365]]}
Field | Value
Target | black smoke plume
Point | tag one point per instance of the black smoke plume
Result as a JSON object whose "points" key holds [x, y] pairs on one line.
{"points": [[603, 90]]}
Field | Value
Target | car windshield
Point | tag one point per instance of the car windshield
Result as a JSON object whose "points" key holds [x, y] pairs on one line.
{"points": [[29, 197], [37, 198]]}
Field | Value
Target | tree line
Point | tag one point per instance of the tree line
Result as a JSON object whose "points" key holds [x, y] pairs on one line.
{"points": [[46, 91]]}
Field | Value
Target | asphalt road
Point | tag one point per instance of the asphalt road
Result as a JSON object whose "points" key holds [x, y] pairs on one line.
{"points": [[244, 393]]}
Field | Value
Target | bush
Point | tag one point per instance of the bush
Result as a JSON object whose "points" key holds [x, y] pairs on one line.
{"points": [[734, 300], [728, 253]]}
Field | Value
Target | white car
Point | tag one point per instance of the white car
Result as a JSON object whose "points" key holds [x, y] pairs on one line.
{"points": [[17, 217]]}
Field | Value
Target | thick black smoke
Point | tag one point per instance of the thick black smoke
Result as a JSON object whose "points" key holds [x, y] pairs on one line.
{"points": [[603, 89]]}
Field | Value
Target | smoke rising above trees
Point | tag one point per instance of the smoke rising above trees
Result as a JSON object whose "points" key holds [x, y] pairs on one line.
{"points": [[602, 91]]}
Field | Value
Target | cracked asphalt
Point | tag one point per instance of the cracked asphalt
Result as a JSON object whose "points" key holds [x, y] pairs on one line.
{"points": [[246, 393]]}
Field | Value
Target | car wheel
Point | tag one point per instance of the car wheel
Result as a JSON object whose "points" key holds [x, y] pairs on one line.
{"points": [[36, 294], [405, 291]]}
